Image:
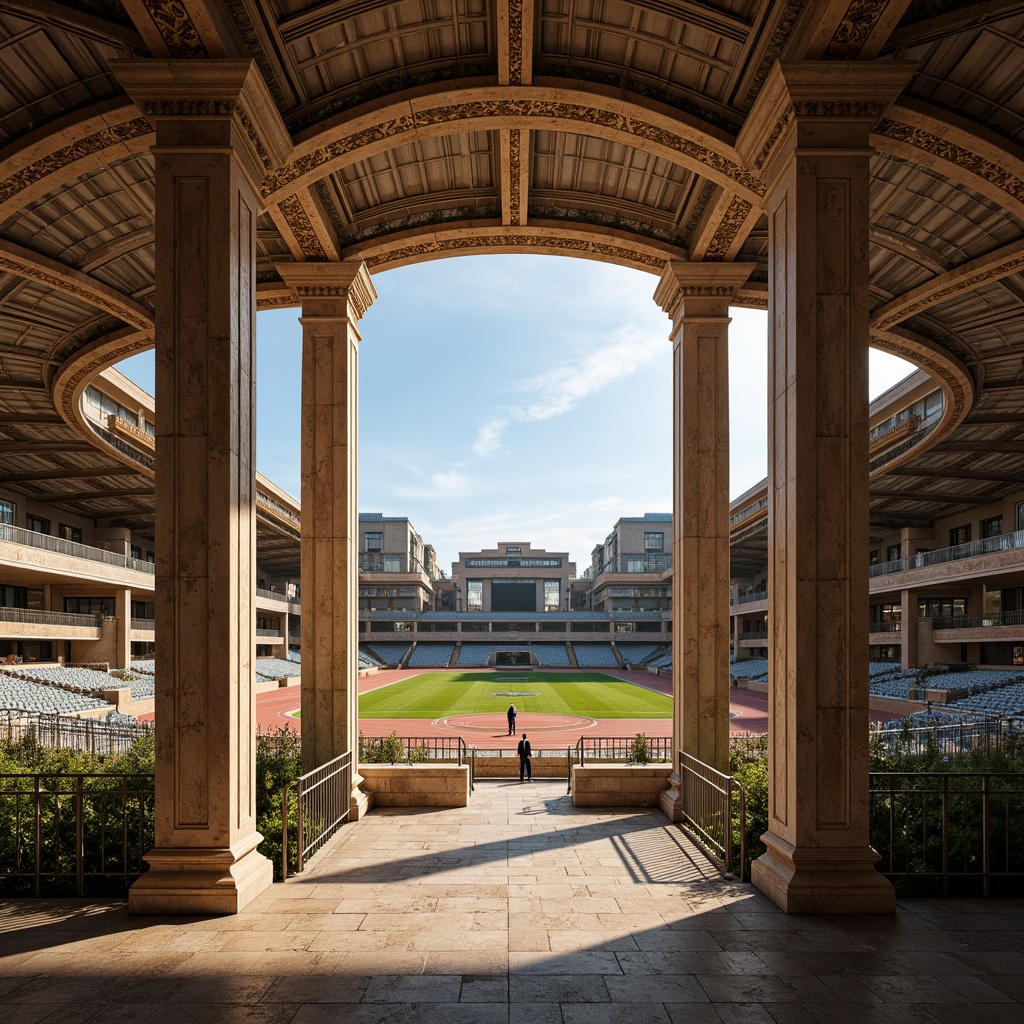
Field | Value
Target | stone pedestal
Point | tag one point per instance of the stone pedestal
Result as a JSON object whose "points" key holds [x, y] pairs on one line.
{"points": [[217, 134], [696, 297], [808, 137], [334, 296]]}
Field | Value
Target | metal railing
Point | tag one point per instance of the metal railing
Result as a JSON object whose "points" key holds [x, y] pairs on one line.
{"points": [[74, 835], [628, 749], [760, 595], [31, 539], [147, 625], [983, 733], [323, 801], [268, 632], [413, 749], [752, 509], [954, 833], [940, 556], [69, 731], [1010, 618], [142, 458], [755, 634], [44, 618], [711, 802]]}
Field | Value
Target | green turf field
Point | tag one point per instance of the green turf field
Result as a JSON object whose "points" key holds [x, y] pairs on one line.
{"points": [[590, 694]]}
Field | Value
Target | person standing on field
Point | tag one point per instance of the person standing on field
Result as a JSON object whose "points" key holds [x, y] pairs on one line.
{"points": [[511, 715], [525, 764]]}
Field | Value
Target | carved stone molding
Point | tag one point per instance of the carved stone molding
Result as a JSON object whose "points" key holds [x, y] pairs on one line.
{"points": [[515, 176], [175, 31], [516, 241], [966, 159], [681, 280], [52, 163], [35, 267], [349, 280], [459, 117], [1001, 263], [176, 91], [727, 231], [858, 22], [302, 228]]}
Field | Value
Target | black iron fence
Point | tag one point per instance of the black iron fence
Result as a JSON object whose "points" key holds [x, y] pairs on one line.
{"points": [[956, 834], [73, 835], [984, 733], [638, 749], [321, 800], [714, 812], [67, 731]]}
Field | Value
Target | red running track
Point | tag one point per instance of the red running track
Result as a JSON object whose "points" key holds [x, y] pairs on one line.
{"points": [[747, 708]]}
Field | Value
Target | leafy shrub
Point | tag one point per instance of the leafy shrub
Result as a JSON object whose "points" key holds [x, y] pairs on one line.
{"points": [[381, 750], [639, 749]]}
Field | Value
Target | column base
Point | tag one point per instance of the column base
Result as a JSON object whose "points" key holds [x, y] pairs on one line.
{"points": [[362, 801], [819, 880], [199, 881], [671, 800]]}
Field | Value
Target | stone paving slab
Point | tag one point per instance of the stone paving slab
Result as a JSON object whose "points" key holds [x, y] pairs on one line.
{"points": [[518, 908]]}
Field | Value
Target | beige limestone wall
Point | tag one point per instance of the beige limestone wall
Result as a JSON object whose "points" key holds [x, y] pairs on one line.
{"points": [[619, 785], [416, 785]]}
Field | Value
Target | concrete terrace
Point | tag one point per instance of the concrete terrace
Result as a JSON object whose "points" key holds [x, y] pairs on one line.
{"points": [[519, 908]]}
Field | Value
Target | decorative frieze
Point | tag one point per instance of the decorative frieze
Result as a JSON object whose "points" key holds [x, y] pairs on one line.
{"points": [[176, 28], [302, 228], [545, 110], [858, 22], [52, 163], [725, 234]]}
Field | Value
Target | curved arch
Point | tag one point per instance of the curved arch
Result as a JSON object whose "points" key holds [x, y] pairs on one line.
{"points": [[443, 110], [955, 148], [67, 148]]}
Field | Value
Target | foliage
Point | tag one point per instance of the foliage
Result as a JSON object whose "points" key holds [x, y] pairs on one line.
{"points": [[116, 809], [906, 815], [639, 749], [381, 750]]}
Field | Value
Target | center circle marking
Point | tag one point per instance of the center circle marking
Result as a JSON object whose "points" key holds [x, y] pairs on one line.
{"points": [[496, 721]]}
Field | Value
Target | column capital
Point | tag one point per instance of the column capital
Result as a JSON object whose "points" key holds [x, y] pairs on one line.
{"points": [[838, 101], [346, 281], [178, 96], [702, 290]]}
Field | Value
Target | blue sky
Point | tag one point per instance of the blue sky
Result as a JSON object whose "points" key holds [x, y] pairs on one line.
{"points": [[513, 398]]}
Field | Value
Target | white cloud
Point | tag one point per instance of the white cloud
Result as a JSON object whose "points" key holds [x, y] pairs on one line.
{"points": [[559, 390], [488, 438]]}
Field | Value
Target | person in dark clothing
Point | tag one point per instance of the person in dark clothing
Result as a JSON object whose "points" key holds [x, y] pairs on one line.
{"points": [[511, 715], [525, 764]]}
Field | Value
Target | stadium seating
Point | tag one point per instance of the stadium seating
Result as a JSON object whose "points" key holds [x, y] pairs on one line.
{"points": [[637, 655], [591, 655], [749, 668], [21, 694], [389, 654], [275, 668], [553, 655], [430, 655]]}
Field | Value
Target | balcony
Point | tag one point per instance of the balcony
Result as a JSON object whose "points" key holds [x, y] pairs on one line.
{"points": [[957, 553], [962, 628], [44, 625], [71, 549]]}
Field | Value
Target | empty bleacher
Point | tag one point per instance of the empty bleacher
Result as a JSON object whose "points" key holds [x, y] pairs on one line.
{"points": [[430, 655], [595, 655], [637, 655], [749, 668], [275, 668], [21, 694], [388, 653]]}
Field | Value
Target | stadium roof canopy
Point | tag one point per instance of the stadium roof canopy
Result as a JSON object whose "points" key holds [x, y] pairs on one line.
{"points": [[422, 129]]}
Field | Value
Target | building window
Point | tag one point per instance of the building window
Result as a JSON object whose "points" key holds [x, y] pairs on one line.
{"points": [[474, 595], [8, 510], [873, 558], [892, 553], [992, 527], [392, 563], [72, 533], [634, 563], [654, 542], [552, 595], [90, 606], [1018, 523], [37, 524], [374, 542], [513, 550], [941, 607], [960, 535], [137, 552]]}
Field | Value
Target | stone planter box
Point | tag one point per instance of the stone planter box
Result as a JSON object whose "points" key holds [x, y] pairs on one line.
{"points": [[619, 785], [416, 785]]}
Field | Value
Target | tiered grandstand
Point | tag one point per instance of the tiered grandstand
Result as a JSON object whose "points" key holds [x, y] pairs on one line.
{"points": [[595, 655], [275, 668], [431, 655], [750, 668], [388, 654], [18, 693]]}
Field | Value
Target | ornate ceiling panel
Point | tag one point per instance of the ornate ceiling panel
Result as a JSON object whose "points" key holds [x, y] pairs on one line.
{"points": [[977, 73], [599, 128], [44, 74]]}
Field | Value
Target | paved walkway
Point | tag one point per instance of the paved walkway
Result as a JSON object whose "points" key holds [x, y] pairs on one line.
{"points": [[516, 910]]}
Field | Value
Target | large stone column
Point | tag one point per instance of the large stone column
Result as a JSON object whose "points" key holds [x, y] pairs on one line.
{"points": [[809, 140], [334, 296], [217, 132], [696, 297]]}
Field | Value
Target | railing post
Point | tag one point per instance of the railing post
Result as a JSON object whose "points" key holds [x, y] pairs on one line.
{"points": [[38, 829], [284, 833], [985, 858], [79, 837], [299, 801]]}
